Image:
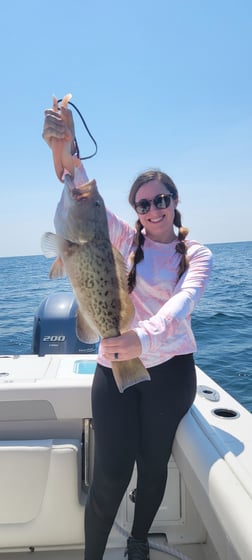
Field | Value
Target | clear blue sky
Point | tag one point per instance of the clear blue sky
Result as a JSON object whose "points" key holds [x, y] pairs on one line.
{"points": [[161, 83]]}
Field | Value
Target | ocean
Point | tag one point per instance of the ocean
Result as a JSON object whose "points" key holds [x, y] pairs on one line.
{"points": [[222, 321]]}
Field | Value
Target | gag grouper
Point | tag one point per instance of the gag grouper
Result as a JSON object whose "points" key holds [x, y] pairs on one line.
{"points": [[96, 271]]}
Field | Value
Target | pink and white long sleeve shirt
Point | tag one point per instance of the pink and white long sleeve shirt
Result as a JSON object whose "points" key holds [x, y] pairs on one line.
{"points": [[163, 306]]}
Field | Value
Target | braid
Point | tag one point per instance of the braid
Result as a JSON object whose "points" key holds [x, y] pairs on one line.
{"points": [[181, 246], [137, 256]]}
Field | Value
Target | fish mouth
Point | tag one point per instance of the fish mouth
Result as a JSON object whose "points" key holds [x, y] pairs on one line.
{"points": [[83, 191], [77, 194]]}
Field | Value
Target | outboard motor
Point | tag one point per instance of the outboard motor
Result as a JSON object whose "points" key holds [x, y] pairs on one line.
{"points": [[54, 329]]}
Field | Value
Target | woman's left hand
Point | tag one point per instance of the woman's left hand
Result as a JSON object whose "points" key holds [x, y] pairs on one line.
{"points": [[120, 348]]}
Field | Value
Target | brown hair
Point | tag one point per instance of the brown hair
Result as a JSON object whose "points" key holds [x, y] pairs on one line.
{"points": [[181, 247]]}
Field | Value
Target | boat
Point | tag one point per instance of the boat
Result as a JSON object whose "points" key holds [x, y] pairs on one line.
{"points": [[47, 450]]}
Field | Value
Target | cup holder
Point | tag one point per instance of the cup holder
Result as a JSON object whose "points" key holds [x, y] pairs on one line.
{"points": [[208, 393], [225, 413]]}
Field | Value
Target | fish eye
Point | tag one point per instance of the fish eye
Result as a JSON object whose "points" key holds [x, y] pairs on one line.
{"points": [[97, 203]]}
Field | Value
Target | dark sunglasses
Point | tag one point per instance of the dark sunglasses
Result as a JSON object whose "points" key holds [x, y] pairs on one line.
{"points": [[160, 201]]}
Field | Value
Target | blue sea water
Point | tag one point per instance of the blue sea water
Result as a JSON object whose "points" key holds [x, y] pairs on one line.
{"points": [[222, 321]]}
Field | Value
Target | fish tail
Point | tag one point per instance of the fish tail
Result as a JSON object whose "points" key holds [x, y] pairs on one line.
{"points": [[129, 373]]}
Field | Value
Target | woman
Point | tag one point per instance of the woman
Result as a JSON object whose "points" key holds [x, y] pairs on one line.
{"points": [[167, 275]]}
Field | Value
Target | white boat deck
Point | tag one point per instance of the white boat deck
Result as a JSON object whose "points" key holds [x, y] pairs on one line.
{"points": [[46, 454], [190, 552]]}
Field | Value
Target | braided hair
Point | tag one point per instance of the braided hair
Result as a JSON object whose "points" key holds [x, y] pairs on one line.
{"points": [[181, 247]]}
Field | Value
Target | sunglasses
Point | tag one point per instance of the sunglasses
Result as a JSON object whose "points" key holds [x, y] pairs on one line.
{"points": [[160, 202]]}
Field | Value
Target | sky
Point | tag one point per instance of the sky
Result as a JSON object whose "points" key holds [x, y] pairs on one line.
{"points": [[161, 84]]}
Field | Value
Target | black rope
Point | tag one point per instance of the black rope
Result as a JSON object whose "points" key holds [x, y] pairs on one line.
{"points": [[88, 131]]}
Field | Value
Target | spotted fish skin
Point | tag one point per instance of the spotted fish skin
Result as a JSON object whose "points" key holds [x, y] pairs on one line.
{"points": [[96, 271]]}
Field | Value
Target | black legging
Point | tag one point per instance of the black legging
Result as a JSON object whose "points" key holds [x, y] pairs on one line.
{"points": [[137, 425]]}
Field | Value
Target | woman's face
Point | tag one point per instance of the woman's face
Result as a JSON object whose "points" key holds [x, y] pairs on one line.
{"points": [[158, 222]]}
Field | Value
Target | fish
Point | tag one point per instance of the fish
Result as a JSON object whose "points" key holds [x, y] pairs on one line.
{"points": [[96, 271]]}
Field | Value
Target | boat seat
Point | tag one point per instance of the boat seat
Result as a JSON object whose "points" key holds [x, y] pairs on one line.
{"points": [[40, 489]]}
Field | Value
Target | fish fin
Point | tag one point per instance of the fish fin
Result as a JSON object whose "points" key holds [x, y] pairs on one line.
{"points": [[84, 331], [129, 373], [50, 248], [50, 244], [127, 310], [57, 269], [121, 268]]}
